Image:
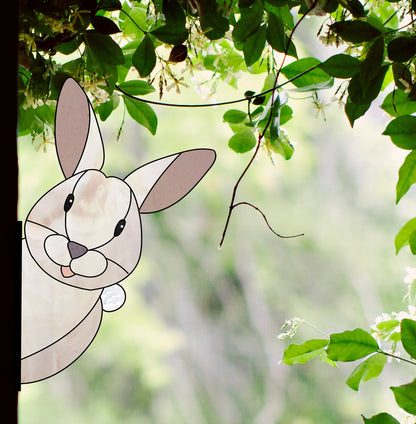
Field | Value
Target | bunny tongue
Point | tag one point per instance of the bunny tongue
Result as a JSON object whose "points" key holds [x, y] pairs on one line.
{"points": [[66, 271]]}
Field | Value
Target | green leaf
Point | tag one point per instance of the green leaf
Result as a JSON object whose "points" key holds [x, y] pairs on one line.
{"points": [[315, 76], [213, 24], [254, 45], [248, 24], [104, 109], [242, 141], [361, 91], [412, 242], [171, 34], [136, 87], [382, 418], [402, 76], [396, 103], [351, 345], [234, 116], [407, 175], [284, 13], [372, 63], [104, 49], [341, 66], [408, 330], [368, 369], [104, 25], [70, 46], [354, 111], [142, 113], [402, 237], [402, 131], [401, 49], [174, 13], [355, 31], [144, 58], [109, 5], [301, 353], [276, 36], [356, 8], [137, 19], [286, 114], [405, 396]]}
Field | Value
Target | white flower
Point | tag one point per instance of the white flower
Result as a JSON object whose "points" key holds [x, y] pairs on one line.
{"points": [[411, 275]]}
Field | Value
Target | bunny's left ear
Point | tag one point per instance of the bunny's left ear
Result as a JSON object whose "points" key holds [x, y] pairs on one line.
{"points": [[162, 183], [77, 137]]}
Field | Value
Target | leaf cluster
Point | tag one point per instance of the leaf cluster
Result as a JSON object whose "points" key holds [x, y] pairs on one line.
{"points": [[350, 346]]}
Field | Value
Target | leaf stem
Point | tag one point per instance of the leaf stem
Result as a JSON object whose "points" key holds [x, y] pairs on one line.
{"points": [[397, 357]]}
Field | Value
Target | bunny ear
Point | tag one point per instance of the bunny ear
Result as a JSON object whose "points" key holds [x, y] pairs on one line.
{"points": [[160, 184], [78, 140]]}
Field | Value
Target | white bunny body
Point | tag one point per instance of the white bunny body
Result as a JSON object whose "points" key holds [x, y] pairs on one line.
{"points": [[84, 236]]}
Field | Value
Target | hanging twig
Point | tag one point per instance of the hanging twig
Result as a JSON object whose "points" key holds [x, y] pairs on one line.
{"points": [[261, 136], [227, 102]]}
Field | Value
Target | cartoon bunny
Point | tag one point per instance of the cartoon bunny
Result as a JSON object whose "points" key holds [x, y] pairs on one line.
{"points": [[83, 237]]}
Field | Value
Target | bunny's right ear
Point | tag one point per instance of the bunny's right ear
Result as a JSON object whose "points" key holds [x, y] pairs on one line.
{"points": [[77, 136]]}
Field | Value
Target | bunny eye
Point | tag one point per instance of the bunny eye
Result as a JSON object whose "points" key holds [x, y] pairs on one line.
{"points": [[119, 227], [69, 202]]}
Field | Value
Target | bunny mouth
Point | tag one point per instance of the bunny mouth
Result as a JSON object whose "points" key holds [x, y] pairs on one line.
{"points": [[66, 271], [90, 263]]}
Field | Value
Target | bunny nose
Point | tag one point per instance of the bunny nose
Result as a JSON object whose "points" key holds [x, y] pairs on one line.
{"points": [[76, 250]]}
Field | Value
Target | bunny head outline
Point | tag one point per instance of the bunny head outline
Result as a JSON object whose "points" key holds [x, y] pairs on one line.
{"points": [[84, 236]]}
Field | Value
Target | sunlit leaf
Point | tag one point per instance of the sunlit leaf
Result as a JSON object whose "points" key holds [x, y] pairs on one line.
{"points": [[242, 141], [351, 345], [402, 131], [396, 103], [407, 175], [142, 113], [313, 75], [368, 369], [136, 87], [408, 330], [234, 116], [382, 418], [402, 237], [301, 353], [405, 396]]}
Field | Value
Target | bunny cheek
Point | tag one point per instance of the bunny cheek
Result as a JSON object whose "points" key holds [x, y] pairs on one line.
{"points": [[56, 247]]}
